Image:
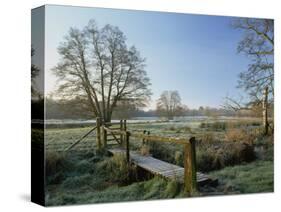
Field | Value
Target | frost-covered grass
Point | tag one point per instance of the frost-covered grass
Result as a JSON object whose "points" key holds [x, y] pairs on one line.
{"points": [[254, 177], [88, 177], [81, 179], [84, 179], [60, 138]]}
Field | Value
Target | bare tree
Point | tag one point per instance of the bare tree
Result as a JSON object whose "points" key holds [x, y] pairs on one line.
{"points": [[169, 104], [96, 64], [258, 45]]}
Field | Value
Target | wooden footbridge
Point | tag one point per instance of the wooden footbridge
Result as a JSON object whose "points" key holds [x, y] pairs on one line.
{"points": [[161, 168], [118, 132]]}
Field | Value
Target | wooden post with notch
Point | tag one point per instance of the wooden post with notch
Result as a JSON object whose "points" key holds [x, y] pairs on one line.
{"points": [[127, 140], [190, 181], [98, 134]]}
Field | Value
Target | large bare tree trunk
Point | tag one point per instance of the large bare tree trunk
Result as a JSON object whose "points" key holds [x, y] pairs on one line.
{"points": [[265, 110]]}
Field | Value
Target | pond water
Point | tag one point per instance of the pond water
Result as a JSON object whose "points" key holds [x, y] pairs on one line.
{"points": [[153, 119]]}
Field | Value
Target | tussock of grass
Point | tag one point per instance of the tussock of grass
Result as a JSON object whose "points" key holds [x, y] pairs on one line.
{"points": [[116, 169], [208, 138], [173, 188], [226, 154], [241, 135]]}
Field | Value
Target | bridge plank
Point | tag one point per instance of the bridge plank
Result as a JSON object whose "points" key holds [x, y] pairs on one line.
{"points": [[161, 168]]}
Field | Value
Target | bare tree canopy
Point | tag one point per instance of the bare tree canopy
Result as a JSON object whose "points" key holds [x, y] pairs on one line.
{"points": [[169, 104], [97, 64], [258, 45]]}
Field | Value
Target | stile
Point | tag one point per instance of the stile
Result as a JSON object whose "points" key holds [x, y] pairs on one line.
{"points": [[114, 138]]}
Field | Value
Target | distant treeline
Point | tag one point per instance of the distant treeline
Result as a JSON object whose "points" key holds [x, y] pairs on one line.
{"points": [[75, 109], [63, 109]]}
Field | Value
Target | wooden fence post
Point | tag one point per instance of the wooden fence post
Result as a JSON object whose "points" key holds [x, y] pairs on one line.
{"points": [[104, 138], [102, 133], [121, 135], [98, 136], [125, 124], [127, 139], [124, 129], [190, 181]]}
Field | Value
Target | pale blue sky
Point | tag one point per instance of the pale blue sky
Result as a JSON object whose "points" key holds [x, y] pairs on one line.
{"points": [[193, 54]]}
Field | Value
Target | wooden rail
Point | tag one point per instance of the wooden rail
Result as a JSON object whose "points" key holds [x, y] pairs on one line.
{"points": [[160, 138], [149, 137]]}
